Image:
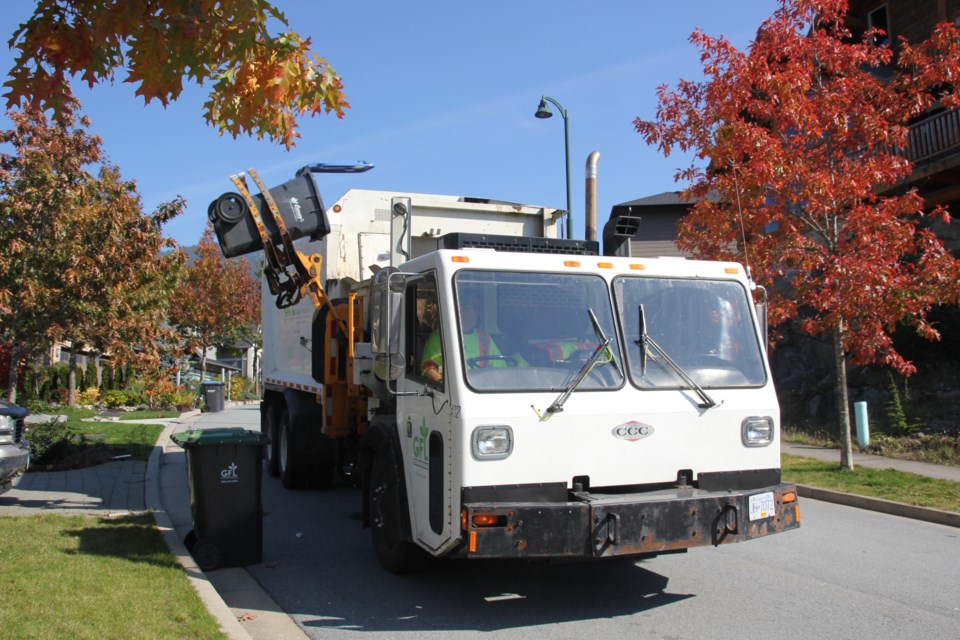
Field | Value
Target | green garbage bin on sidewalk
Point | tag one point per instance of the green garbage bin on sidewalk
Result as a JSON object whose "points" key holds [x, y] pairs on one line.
{"points": [[212, 393], [225, 473]]}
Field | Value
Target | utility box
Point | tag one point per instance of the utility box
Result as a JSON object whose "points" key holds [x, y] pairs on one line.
{"points": [[225, 475], [212, 396]]}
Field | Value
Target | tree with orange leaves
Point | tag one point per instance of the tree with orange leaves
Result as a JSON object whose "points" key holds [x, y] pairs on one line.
{"points": [[799, 136], [81, 262], [217, 301], [261, 82]]}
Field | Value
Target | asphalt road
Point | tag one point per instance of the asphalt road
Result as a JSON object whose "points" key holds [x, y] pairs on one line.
{"points": [[845, 573]]}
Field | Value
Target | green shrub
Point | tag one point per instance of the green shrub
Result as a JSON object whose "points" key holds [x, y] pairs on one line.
{"points": [[106, 378], [48, 440], [136, 390], [900, 423], [114, 399], [90, 375], [90, 395]]}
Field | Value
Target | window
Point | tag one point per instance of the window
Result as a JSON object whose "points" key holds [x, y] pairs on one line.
{"points": [[704, 326], [535, 331], [424, 344], [877, 19]]}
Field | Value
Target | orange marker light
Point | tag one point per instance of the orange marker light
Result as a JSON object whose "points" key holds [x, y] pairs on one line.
{"points": [[605, 265], [731, 270], [486, 520], [638, 267], [459, 259], [571, 263], [473, 542], [789, 496]]}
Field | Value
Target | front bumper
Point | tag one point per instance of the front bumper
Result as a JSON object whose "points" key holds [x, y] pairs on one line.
{"points": [[597, 525], [14, 460]]}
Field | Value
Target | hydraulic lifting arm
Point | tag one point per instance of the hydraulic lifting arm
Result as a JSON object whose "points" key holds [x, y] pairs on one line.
{"points": [[290, 274]]}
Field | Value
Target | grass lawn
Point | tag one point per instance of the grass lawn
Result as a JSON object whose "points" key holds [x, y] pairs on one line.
{"points": [[888, 484], [82, 577], [120, 438], [146, 414]]}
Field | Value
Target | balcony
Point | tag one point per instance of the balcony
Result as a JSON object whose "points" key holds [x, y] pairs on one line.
{"points": [[934, 137]]}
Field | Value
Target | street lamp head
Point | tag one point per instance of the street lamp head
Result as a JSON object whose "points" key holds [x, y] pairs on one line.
{"points": [[543, 111]]}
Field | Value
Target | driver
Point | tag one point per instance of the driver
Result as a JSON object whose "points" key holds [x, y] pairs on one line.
{"points": [[476, 341]]}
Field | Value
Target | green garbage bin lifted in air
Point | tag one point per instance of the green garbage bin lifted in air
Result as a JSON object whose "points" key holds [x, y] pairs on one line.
{"points": [[225, 473]]}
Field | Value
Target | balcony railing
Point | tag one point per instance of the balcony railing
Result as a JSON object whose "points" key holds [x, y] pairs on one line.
{"points": [[933, 137]]}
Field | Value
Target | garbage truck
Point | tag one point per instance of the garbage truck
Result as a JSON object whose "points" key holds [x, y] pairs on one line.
{"points": [[497, 391]]}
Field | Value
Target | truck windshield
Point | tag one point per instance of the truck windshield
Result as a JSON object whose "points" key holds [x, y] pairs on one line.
{"points": [[704, 326], [534, 331]]}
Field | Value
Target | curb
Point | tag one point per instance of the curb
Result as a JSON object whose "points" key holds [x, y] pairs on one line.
{"points": [[208, 594], [889, 507]]}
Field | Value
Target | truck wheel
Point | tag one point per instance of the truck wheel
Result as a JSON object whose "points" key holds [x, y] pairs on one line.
{"points": [[271, 426], [289, 460], [388, 519]]}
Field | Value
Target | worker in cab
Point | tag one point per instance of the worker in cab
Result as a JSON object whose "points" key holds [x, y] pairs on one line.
{"points": [[479, 348]]}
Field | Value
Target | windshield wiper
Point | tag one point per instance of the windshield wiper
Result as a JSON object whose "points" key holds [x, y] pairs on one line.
{"points": [[645, 342], [592, 361]]}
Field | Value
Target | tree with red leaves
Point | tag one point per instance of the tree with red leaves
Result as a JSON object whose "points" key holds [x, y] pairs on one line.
{"points": [[217, 302], [799, 138]]}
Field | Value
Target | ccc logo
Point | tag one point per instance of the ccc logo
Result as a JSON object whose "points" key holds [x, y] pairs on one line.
{"points": [[632, 431]]}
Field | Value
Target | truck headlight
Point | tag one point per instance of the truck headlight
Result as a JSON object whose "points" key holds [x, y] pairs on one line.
{"points": [[492, 443], [756, 431], [7, 428]]}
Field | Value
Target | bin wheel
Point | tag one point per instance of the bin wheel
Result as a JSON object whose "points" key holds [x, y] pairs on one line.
{"points": [[207, 554], [388, 517], [190, 539]]}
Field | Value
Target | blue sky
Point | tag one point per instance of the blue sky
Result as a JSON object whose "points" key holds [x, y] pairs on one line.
{"points": [[443, 96]]}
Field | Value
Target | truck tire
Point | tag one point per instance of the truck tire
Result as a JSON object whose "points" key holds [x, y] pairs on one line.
{"points": [[388, 517], [293, 471], [271, 428]]}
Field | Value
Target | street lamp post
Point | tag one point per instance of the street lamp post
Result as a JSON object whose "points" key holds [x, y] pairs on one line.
{"points": [[543, 111]]}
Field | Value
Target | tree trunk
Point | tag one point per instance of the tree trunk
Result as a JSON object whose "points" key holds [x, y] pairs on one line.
{"points": [[203, 362], [843, 399], [14, 377], [72, 377]]}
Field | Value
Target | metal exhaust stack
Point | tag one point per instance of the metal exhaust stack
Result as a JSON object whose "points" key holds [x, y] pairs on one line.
{"points": [[591, 194]]}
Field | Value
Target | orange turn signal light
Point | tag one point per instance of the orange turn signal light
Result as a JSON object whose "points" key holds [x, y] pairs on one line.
{"points": [[789, 496], [488, 520]]}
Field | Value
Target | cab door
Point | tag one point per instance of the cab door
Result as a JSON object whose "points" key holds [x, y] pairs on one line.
{"points": [[425, 418]]}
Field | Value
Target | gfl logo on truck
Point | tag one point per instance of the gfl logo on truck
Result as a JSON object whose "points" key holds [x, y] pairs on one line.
{"points": [[420, 444]]}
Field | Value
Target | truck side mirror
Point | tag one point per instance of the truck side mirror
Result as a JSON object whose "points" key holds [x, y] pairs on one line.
{"points": [[385, 315]]}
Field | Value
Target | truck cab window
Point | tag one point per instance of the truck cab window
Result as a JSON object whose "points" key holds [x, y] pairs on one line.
{"points": [[705, 326], [424, 344]]}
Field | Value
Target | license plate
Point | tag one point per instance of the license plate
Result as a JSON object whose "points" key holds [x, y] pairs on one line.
{"points": [[761, 506]]}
